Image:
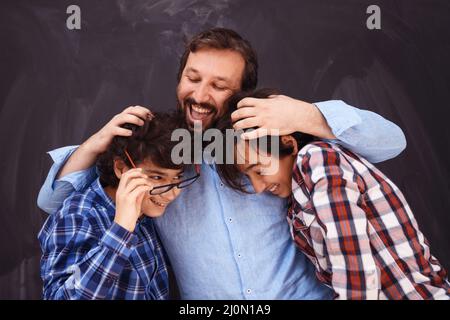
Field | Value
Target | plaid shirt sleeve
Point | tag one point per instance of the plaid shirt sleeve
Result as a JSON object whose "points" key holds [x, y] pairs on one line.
{"points": [[76, 264], [342, 235]]}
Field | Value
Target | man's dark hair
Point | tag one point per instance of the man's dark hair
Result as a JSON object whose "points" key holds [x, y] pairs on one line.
{"points": [[225, 39], [229, 173], [148, 142]]}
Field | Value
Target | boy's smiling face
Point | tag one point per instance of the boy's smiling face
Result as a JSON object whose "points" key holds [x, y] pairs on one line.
{"points": [[267, 172], [155, 205]]}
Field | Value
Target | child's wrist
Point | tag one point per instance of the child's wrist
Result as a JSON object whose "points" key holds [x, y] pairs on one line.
{"points": [[126, 223]]}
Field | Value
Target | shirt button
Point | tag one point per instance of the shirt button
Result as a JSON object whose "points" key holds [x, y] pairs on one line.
{"points": [[249, 291], [221, 184], [230, 219], [239, 255]]}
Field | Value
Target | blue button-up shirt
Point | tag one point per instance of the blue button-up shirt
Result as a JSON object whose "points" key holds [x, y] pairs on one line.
{"points": [[227, 245]]}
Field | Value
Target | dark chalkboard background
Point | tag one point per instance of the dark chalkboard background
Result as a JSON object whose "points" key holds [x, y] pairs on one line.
{"points": [[58, 86]]}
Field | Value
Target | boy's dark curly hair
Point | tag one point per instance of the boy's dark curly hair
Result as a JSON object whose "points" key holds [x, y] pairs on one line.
{"points": [[229, 173], [148, 142]]}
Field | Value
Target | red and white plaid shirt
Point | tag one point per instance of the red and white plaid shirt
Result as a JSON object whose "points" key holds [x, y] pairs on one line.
{"points": [[357, 228]]}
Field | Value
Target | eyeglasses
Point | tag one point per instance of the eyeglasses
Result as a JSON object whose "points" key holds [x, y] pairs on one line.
{"points": [[167, 187]]}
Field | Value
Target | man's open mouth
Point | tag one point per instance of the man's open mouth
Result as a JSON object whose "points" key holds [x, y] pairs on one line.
{"points": [[200, 113]]}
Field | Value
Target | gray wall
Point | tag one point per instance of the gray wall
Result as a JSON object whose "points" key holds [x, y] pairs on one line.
{"points": [[58, 86]]}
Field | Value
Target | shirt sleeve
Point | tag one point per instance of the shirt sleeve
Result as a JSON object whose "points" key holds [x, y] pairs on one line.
{"points": [[363, 132], [77, 265], [54, 191], [342, 223]]}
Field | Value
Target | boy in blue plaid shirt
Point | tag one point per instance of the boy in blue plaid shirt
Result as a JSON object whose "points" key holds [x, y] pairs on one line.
{"points": [[102, 244]]}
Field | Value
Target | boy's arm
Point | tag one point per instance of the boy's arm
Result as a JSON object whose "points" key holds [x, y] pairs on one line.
{"points": [[76, 264], [343, 225], [363, 132]]}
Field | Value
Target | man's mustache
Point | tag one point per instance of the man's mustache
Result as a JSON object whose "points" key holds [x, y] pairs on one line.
{"points": [[191, 101]]}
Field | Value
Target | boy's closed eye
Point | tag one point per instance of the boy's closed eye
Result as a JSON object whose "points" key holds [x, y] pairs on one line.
{"points": [[259, 170]]}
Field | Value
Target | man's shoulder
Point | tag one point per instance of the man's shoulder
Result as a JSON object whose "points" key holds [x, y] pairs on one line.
{"points": [[319, 148], [321, 158]]}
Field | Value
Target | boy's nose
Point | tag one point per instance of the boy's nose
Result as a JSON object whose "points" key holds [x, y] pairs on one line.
{"points": [[258, 186], [171, 194]]}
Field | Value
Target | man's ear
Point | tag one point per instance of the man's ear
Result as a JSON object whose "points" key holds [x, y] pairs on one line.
{"points": [[120, 168], [290, 141]]}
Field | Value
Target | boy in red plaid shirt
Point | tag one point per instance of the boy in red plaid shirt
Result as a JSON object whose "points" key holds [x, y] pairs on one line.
{"points": [[351, 221]]}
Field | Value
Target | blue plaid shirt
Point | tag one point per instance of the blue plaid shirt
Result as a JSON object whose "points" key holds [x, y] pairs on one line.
{"points": [[88, 256]]}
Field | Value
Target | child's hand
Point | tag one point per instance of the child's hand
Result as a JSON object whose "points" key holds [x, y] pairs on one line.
{"points": [[133, 187]]}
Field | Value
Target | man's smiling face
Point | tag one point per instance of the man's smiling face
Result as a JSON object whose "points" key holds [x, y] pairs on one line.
{"points": [[208, 79]]}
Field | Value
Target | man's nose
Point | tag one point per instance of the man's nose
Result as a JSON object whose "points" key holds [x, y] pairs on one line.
{"points": [[258, 185], [201, 93]]}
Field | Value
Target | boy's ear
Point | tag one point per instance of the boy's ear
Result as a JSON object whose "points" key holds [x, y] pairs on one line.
{"points": [[290, 141], [120, 168]]}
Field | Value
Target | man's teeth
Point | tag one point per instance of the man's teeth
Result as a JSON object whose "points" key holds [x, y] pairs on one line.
{"points": [[157, 203], [273, 188], [201, 110]]}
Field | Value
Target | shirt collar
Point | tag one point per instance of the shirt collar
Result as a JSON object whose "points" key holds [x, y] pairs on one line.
{"points": [[104, 198]]}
